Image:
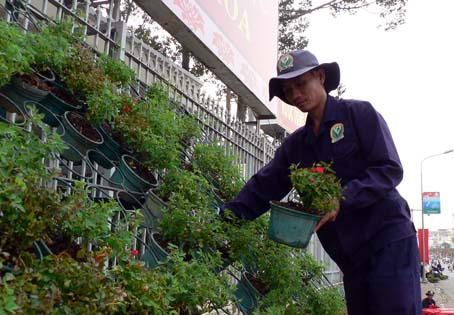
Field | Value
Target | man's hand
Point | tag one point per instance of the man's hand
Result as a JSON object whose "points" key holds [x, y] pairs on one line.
{"points": [[329, 217]]}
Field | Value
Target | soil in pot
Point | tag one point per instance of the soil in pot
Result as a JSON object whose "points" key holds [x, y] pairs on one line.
{"points": [[65, 96], [258, 284], [296, 206], [82, 126], [120, 140], [35, 81], [140, 169]]}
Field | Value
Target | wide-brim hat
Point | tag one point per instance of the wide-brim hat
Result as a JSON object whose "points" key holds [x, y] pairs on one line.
{"points": [[430, 293], [299, 62]]}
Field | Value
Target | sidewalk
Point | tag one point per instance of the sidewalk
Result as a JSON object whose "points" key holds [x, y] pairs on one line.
{"points": [[444, 290]]}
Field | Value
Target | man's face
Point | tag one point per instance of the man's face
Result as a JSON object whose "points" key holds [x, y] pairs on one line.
{"points": [[306, 91]]}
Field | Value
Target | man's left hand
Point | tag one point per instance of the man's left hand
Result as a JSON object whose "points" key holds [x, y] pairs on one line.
{"points": [[329, 217]]}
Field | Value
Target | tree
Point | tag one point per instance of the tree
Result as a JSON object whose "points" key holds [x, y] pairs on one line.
{"points": [[294, 16], [293, 21]]}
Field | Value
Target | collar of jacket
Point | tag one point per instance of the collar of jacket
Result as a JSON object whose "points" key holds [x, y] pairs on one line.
{"points": [[329, 115]]}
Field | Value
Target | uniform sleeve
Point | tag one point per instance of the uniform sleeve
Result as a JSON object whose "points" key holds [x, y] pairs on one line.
{"points": [[272, 182], [383, 167]]}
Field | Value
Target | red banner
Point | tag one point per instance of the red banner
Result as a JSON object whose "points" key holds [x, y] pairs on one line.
{"points": [[426, 245]]}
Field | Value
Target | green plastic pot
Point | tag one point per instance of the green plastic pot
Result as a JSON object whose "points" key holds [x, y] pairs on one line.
{"points": [[246, 295], [49, 117], [41, 249], [150, 259], [291, 227], [9, 107], [160, 253], [110, 148], [57, 105], [153, 208], [77, 140], [132, 181], [20, 91]]}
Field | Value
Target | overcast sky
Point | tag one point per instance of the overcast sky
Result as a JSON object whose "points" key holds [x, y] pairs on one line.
{"points": [[407, 74]]}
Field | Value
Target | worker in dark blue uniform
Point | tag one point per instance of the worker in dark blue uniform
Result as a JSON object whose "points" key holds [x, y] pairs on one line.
{"points": [[370, 236]]}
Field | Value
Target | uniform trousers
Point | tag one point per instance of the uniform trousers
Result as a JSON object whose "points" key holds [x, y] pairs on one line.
{"points": [[388, 283]]}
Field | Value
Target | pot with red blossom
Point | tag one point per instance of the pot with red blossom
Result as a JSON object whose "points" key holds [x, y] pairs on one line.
{"points": [[317, 192]]}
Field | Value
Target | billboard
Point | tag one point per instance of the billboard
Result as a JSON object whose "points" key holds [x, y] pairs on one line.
{"points": [[237, 40], [431, 202], [243, 34]]}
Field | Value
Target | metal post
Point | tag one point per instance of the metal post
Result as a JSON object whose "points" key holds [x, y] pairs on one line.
{"points": [[423, 246]]}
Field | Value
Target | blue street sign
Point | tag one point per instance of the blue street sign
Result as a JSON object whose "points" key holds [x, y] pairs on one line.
{"points": [[431, 202]]}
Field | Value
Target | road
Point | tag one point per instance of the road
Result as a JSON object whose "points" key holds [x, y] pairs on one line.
{"points": [[444, 289]]}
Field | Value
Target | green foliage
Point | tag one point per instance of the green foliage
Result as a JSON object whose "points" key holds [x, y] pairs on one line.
{"points": [[116, 70], [52, 45], [28, 208], [16, 54], [107, 104], [318, 187], [212, 161], [190, 221], [195, 288], [80, 73], [154, 129]]}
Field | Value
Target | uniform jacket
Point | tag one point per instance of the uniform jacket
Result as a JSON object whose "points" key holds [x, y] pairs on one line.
{"points": [[356, 139]]}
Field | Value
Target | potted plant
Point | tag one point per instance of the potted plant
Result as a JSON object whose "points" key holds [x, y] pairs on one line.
{"points": [[318, 191], [272, 276], [16, 54], [80, 134], [189, 221], [153, 129], [218, 168]]}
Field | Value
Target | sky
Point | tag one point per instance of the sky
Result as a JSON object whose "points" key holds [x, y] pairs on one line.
{"points": [[407, 75]]}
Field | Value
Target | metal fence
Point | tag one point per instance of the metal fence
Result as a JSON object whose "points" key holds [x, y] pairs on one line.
{"points": [[106, 33]]}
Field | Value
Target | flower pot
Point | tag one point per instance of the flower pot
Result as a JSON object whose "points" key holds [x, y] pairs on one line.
{"points": [[149, 258], [49, 117], [132, 180], [57, 104], [246, 295], [88, 138], [153, 208], [160, 253], [291, 227], [154, 253], [217, 200], [10, 112], [20, 91], [128, 201], [110, 148], [41, 249], [44, 74]]}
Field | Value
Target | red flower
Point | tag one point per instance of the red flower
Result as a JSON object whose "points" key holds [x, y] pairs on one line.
{"points": [[99, 258], [319, 169], [126, 109], [313, 169], [134, 252], [311, 180]]}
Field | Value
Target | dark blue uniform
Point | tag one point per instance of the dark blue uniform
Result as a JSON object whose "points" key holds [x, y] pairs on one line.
{"points": [[374, 220]]}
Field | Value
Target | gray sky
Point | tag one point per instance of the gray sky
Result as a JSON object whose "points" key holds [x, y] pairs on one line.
{"points": [[407, 74]]}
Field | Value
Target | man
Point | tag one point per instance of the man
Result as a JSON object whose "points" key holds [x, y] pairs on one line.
{"points": [[429, 302], [371, 236]]}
